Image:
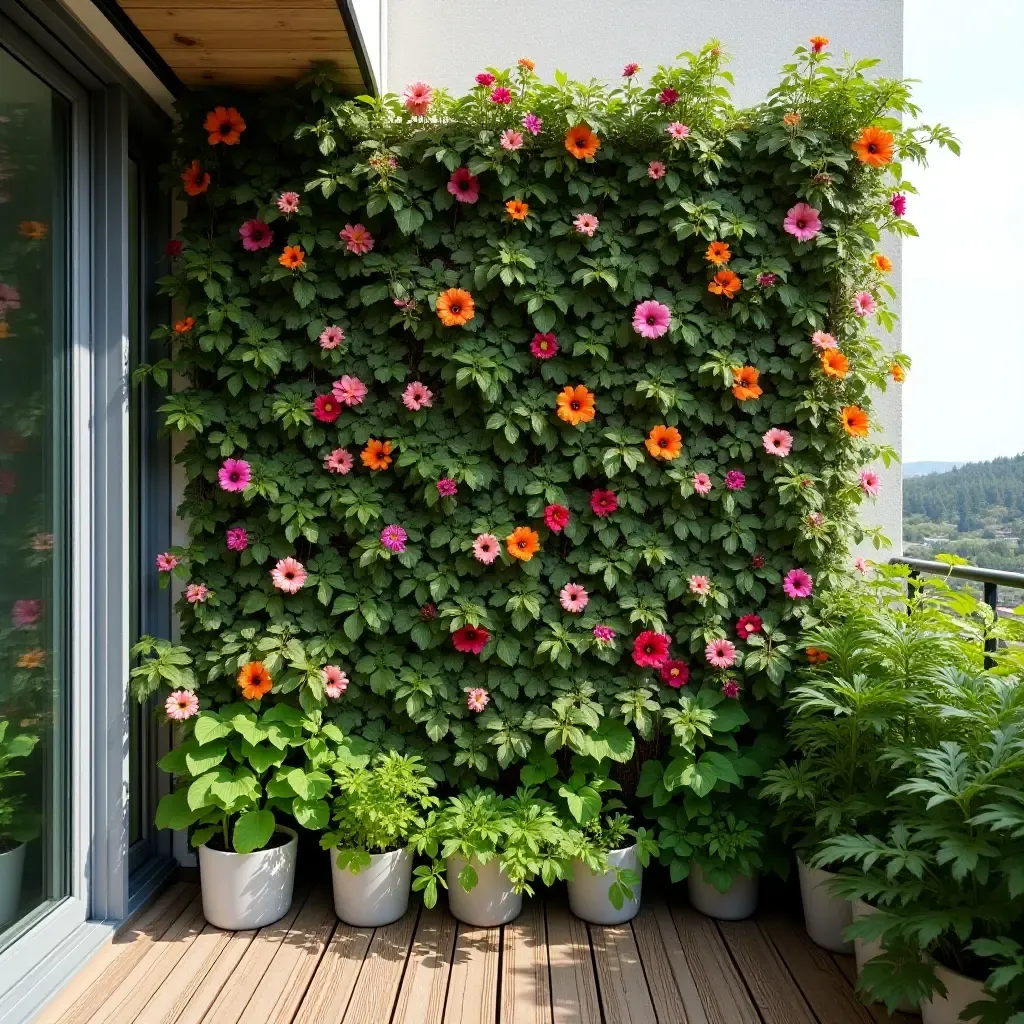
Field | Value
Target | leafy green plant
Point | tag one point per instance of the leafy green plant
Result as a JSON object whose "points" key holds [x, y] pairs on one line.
{"points": [[18, 824], [1004, 986]]}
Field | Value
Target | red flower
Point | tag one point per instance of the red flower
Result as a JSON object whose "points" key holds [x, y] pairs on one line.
{"points": [[603, 503], [326, 408], [668, 97], [747, 625], [470, 639], [173, 248], [757, 561], [650, 649], [556, 518], [428, 612], [675, 673], [464, 186]]}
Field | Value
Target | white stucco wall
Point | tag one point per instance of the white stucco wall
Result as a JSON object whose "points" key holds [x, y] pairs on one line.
{"points": [[446, 42]]}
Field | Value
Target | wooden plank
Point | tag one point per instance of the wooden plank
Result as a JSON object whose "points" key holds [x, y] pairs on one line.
{"points": [[240, 8], [197, 999], [421, 999], [330, 990], [525, 978], [473, 986], [373, 997], [620, 976], [266, 58], [721, 988], [573, 984], [251, 38], [258, 78], [281, 989], [669, 978], [775, 992], [211, 19]]}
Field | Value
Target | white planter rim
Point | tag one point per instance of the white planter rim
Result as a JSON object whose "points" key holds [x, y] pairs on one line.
{"points": [[293, 841]]}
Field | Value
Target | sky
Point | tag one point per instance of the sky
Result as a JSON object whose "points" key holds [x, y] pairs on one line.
{"points": [[963, 278]]}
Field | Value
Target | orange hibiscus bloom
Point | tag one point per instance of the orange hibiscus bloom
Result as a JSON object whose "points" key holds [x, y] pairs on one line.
{"points": [[791, 120], [376, 455], [525, 62], [726, 283], [196, 180], [35, 230], [664, 443], [744, 383], [874, 146], [854, 420], [184, 326], [575, 405], [816, 656], [293, 257], [582, 142], [718, 253], [517, 210], [523, 543], [225, 124], [881, 263], [834, 364], [32, 659], [898, 373], [455, 307], [254, 680]]}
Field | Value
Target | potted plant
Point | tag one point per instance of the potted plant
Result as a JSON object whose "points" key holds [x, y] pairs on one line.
{"points": [[17, 824], [378, 806]]}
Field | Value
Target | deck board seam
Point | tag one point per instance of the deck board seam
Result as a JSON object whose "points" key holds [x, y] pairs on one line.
{"points": [[743, 977], [405, 966]]}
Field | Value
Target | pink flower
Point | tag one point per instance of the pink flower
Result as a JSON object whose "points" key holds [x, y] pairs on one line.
{"points": [[167, 562], [556, 518], [447, 487], [898, 203], [501, 96], [870, 483], [326, 408], [798, 584], [860, 563], [486, 548], [26, 613], [407, 305], [464, 186], [730, 689], [196, 593], [573, 598], [356, 238], [678, 130], [543, 346], [603, 503], [477, 699], [630, 69], [335, 681], [237, 538], [778, 442], [655, 170], [532, 123], [288, 575], [604, 634], [735, 480], [180, 705], [511, 140], [393, 537], [288, 202], [668, 97], [721, 653], [651, 319], [700, 585], [10, 298], [815, 519], [417, 396], [748, 625], [339, 461], [863, 304], [585, 224], [674, 673], [418, 98], [331, 337], [767, 280], [255, 235], [802, 222], [349, 390], [485, 78], [234, 475], [650, 649], [702, 483], [821, 341]]}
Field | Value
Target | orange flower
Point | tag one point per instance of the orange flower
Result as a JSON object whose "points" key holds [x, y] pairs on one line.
{"points": [[898, 373], [582, 142], [834, 364], [523, 543], [718, 253], [791, 120], [874, 146], [254, 680], [225, 124], [184, 326], [525, 62], [376, 455], [36, 230], [517, 210], [455, 307], [575, 405], [855, 420], [196, 180], [32, 659], [744, 383], [726, 283], [882, 263], [293, 257], [664, 443], [816, 656], [818, 43], [5, 330]]}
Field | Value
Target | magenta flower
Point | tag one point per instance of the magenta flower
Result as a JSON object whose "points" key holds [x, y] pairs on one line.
{"points": [[288, 202], [767, 280], [532, 123], [573, 598], [677, 130], [870, 483], [393, 537], [898, 204], [603, 503], [821, 341], [802, 222], [501, 96], [167, 562], [464, 186], [798, 584], [417, 396], [288, 575], [357, 239], [543, 346], [735, 480], [237, 538], [331, 337], [417, 98], [700, 585], [485, 78], [511, 140], [730, 689], [651, 319], [778, 442], [863, 304], [181, 705], [234, 475], [26, 612], [196, 593], [349, 390], [702, 483], [486, 548], [604, 634], [668, 97], [255, 235], [585, 224], [447, 487], [655, 170], [335, 681], [339, 461], [477, 699], [721, 653], [630, 69], [860, 563]]}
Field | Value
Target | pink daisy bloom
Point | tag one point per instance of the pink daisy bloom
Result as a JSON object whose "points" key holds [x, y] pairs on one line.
{"points": [[860, 563], [331, 337], [748, 625], [863, 304], [870, 483], [417, 396], [655, 170], [778, 442], [668, 97], [349, 390], [255, 235], [477, 699], [417, 98], [700, 585], [326, 408], [393, 537], [702, 483], [485, 78], [532, 123], [603, 503], [821, 341], [678, 130], [511, 140], [234, 475], [288, 202], [335, 681], [501, 96], [730, 689], [486, 548], [464, 186], [26, 612], [721, 653], [288, 575], [802, 222], [556, 517], [898, 204], [447, 487], [767, 280], [651, 319], [180, 705], [196, 593], [356, 238], [339, 461], [167, 562], [543, 346], [237, 538], [573, 598], [798, 584], [630, 69], [604, 634], [735, 480], [586, 224]]}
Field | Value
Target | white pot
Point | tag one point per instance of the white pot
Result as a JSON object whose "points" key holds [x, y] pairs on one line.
{"points": [[826, 917], [867, 949], [737, 902], [12, 864], [491, 901], [248, 890], [377, 895], [961, 991], [588, 892]]}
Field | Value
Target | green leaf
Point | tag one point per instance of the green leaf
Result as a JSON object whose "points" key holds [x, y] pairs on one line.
{"points": [[253, 831]]}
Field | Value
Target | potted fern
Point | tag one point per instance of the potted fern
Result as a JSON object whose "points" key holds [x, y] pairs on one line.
{"points": [[379, 805], [17, 825]]}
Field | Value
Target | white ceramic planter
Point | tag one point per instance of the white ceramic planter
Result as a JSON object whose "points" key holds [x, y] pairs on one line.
{"points": [[826, 917], [736, 903], [961, 991], [867, 949], [377, 895], [588, 892], [12, 866], [248, 890], [490, 902]]}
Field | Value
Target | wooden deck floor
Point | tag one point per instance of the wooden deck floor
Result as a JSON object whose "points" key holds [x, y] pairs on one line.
{"points": [[669, 966]]}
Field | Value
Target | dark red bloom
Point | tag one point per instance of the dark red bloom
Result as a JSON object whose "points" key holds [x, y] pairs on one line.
{"points": [[675, 673], [650, 649], [326, 408], [603, 503], [556, 518], [747, 625], [757, 561], [428, 611], [173, 249], [470, 639], [669, 97]]}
